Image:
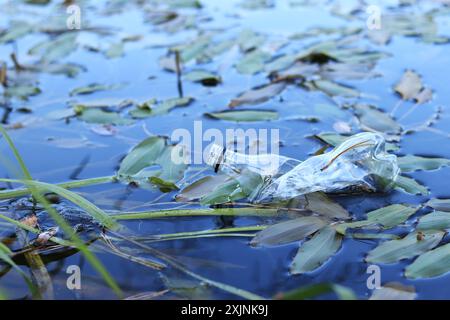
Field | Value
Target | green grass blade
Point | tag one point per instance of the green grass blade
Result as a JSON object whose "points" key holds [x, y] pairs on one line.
{"points": [[15, 193], [78, 200], [195, 212]]}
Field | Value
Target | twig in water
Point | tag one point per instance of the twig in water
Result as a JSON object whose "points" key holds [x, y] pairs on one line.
{"points": [[17, 65], [178, 66]]}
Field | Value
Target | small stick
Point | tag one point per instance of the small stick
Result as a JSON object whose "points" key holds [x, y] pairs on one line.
{"points": [[17, 65], [178, 67], [3, 75]]}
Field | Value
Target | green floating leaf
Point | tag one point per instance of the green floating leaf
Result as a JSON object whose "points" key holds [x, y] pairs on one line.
{"points": [[16, 30], [115, 50], [394, 291], [316, 251], [437, 220], [410, 246], [388, 217], [375, 119], [154, 152], [143, 155], [280, 63], [252, 62], [410, 186], [411, 163], [248, 40], [152, 108], [204, 77], [57, 48], [335, 89], [97, 115], [288, 231], [320, 203], [439, 204], [315, 290], [244, 115], [93, 87], [22, 91], [430, 264], [193, 49], [258, 95]]}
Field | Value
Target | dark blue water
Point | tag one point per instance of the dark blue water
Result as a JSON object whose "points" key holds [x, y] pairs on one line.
{"points": [[230, 260]]}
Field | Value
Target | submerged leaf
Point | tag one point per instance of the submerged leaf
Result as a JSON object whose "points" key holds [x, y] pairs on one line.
{"points": [[288, 231], [313, 253], [410, 246], [202, 187], [252, 62]]}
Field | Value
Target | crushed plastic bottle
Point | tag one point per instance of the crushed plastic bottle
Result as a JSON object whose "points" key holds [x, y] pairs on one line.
{"points": [[359, 163]]}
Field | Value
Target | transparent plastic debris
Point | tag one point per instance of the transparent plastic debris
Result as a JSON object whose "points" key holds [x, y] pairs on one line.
{"points": [[359, 164]]}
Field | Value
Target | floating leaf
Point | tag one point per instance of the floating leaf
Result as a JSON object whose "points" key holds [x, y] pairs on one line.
{"points": [[202, 187], [439, 204], [375, 119], [437, 220], [430, 264], [410, 186], [288, 231], [16, 30], [258, 94], [315, 290], [143, 155], [22, 91], [318, 202], [205, 77], [249, 40], [409, 86], [154, 158], [410, 246], [163, 185], [97, 115], [335, 89], [252, 62], [91, 88], [316, 251], [57, 48], [394, 291], [388, 217], [115, 50], [280, 63], [244, 115], [411, 163]]}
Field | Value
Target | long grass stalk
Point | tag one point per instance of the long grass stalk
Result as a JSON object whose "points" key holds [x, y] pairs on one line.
{"points": [[20, 192], [158, 214]]}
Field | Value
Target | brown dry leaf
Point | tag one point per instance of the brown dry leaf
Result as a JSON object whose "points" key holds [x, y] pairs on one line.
{"points": [[258, 94], [424, 96]]}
